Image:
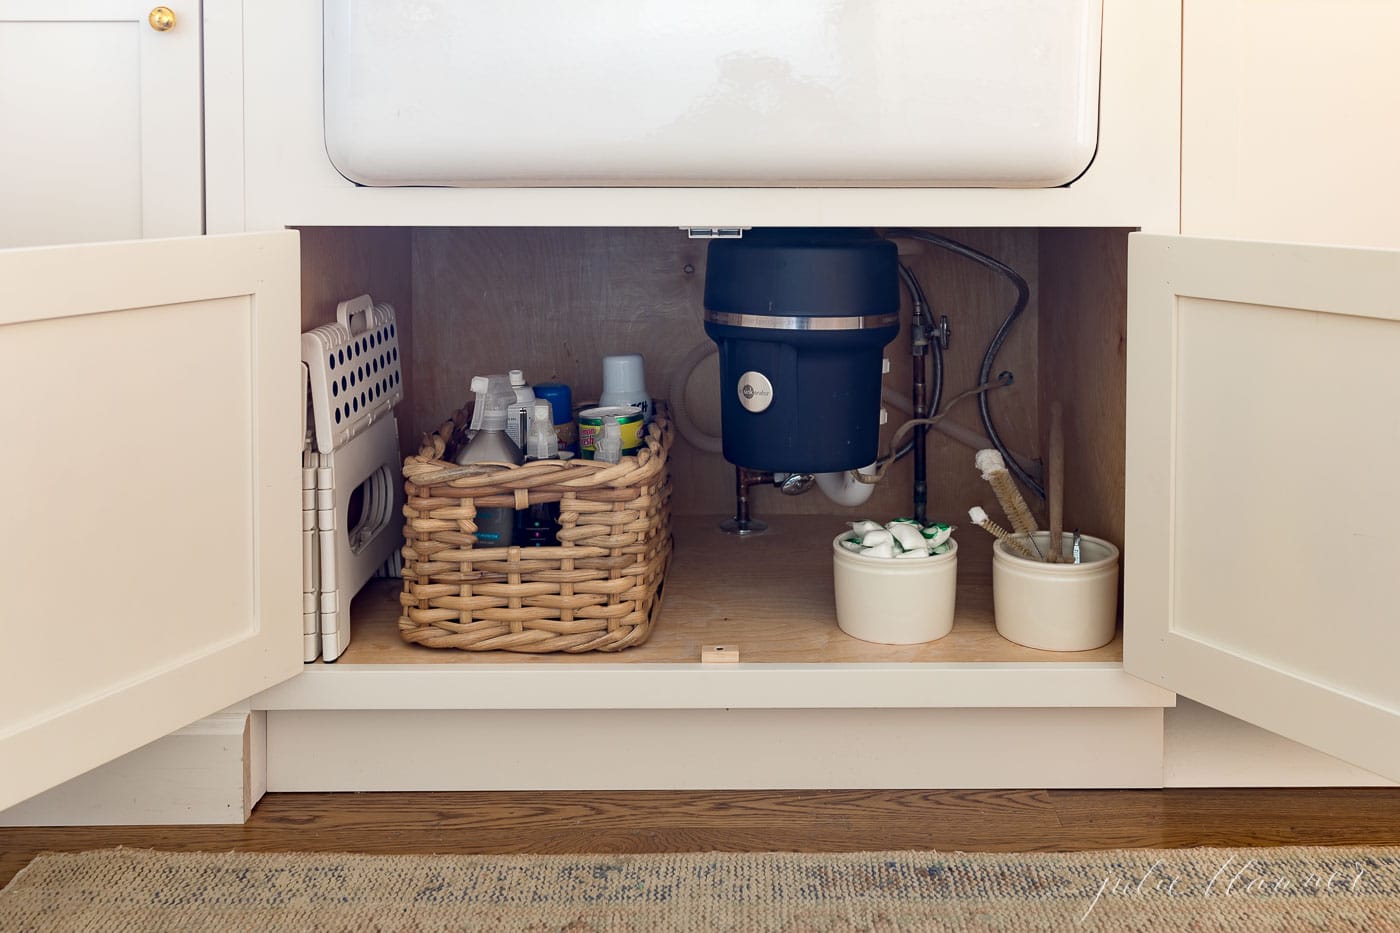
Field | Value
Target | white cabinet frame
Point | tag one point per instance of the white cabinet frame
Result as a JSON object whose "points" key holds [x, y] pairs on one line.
{"points": [[265, 91]]}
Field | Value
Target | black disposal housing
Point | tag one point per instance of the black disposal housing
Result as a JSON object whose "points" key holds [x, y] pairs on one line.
{"points": [[801, 317]]}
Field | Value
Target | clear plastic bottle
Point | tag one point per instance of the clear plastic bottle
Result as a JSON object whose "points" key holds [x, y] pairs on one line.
{"points": [[561, 400], [538, 525], [522, 409], [495, 527], [609, 449], [542, 443]]}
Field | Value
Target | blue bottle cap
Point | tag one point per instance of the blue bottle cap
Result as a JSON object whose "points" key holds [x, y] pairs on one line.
{"points": [[560, 398]]}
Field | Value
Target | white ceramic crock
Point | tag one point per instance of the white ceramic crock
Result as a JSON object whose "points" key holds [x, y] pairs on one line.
{"points": [[894, 602], [1057, 607]]}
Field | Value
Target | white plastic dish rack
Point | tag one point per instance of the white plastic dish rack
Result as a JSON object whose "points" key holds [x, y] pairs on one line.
{"points": [[354, 380]]}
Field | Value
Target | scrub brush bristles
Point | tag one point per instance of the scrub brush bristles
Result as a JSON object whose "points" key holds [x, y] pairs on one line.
{"points": [[981, 520], [994, 471]]}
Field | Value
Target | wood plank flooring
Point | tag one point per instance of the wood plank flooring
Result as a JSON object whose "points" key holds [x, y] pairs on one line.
{"points": [[675, 821]]}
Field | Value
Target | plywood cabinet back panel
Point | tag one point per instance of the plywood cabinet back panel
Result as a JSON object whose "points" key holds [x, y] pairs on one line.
{"points": [[554, 301], [1083, 365]]}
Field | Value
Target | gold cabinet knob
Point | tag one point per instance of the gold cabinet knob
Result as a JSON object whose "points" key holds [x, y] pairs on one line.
{"points": [[162, 19]]}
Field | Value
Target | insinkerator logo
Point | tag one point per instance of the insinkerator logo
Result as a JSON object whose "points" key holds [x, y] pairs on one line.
{"points": [[755, 391]]}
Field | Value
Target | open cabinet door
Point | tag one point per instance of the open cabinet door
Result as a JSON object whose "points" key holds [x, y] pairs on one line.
{"points": [[150, 454], [1262, 570]]}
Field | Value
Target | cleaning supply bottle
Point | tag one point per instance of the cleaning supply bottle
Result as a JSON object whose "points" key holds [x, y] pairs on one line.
{"points": [[609, 448], [543, 443], [561, 400], [494, 397], [625, 384], [538, 525], [522, 410]]}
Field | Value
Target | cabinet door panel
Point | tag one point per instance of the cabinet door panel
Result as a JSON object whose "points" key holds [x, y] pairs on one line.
{"points": [[1262, 564], [102, 123], [151, 542]]}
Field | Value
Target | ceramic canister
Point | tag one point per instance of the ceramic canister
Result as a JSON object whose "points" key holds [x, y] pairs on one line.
{"points": [[894, 602], [590, 428], [1056, 607]]}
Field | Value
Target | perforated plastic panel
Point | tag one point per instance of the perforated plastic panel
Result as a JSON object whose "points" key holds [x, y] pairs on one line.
{"points": [[354, 368]]}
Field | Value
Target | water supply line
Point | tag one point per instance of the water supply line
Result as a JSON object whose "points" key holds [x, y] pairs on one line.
{"points": [[922, 336], [743, 523], [984, 375]]}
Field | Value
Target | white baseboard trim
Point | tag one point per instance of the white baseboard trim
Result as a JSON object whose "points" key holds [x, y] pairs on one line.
{"points": [[1207, 748], [200, 774], [401, 750]]}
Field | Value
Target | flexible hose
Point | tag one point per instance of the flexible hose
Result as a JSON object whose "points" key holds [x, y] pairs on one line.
{"points": [[1023, 293], [883, 463], [965, 436], [687, 428]]}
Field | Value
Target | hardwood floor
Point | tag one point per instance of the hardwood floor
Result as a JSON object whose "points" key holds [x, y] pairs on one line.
{"points": [[673, 821]]}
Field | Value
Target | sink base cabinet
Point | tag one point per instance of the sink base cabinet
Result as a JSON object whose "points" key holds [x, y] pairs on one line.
{"points": [[802, 711]]}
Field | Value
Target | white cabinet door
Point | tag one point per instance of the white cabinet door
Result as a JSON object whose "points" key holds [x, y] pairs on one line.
{"points": [[150, 541], [101, 129], [1262, 567]]}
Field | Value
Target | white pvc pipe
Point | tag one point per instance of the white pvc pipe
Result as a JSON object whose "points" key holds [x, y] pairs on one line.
{"points": [[842, 489]]}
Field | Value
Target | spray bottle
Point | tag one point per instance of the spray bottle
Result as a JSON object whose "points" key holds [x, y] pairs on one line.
{"points": [[494, 398], [543, 443], [609, 449], [538, 525], [522, 409]]}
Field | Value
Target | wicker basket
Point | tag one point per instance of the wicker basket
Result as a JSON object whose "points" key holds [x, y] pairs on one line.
{"points": [[597, 590]]}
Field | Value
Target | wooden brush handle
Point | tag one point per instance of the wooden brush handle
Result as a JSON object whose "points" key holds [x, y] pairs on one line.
{"points": [[1055, 491]]}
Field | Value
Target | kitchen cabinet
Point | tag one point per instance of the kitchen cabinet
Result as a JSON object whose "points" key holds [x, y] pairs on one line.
{"points": [[1279, 143], [1284, 128], [152, 545], [265, 102], [381, 718], [102, 125], [1263, 394]]}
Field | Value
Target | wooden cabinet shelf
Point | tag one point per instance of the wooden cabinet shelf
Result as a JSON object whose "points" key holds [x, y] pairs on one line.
{"points": [[769, 595]]}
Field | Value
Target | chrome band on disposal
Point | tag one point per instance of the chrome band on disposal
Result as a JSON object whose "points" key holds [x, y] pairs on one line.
{"points": [[775, 322]]}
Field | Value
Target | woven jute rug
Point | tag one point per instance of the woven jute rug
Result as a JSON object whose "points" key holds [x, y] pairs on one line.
{"points": [[1187, 889]]}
